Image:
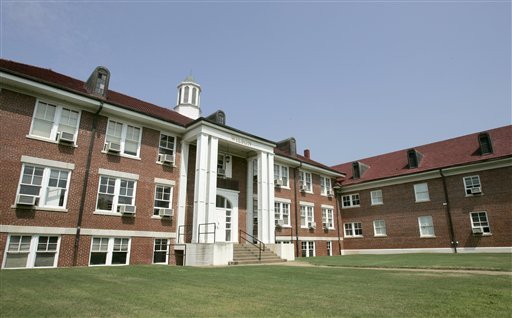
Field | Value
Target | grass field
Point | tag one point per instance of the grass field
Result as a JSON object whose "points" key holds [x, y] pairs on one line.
{"points": [[257, 291], [495, 262]]}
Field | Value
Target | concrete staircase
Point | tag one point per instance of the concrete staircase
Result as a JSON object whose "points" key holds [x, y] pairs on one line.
{"points": [[248, 254]]}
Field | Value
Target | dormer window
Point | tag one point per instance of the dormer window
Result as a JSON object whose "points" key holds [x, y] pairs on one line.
{"points": [[485, 144], [97, 83], [414, 158], [358, 169]]}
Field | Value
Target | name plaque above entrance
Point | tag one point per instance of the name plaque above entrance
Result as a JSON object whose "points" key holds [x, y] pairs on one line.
{"points": [[241, 141]]}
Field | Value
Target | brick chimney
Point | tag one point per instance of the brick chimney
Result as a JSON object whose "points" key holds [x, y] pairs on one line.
{"points": [[306, 153]]}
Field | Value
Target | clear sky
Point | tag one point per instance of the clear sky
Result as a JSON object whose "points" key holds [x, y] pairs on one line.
{"points": [[347, 79]]}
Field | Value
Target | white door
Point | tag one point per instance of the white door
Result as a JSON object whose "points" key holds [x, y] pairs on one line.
{"points": [[224, 220]]}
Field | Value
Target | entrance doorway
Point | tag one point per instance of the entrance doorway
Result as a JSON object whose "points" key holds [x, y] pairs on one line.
{"points": [[226, 216]]}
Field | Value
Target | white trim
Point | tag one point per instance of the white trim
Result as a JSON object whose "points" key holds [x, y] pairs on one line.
{"points": [[496, 249], [123, 233], [325, 206], [22, 229], [306, 238], [48, 162], [397, 251], [118, 174], [49, 140], [39, 208], [281, 200], [165, 181], [306, 203], [470, 168]]}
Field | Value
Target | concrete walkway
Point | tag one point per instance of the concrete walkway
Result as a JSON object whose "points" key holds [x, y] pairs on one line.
{"points": [[428, 270]]}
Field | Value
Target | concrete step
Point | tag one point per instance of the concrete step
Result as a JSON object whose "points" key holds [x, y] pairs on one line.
{"points": [[244, 254]]}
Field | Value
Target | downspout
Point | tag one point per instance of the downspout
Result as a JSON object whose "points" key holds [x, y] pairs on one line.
{"points": [[84, 186], [454, 242], [338, 215], [296, 173]]}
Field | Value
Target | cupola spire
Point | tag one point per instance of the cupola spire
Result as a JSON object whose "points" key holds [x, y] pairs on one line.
{"points": [[188, 102]]}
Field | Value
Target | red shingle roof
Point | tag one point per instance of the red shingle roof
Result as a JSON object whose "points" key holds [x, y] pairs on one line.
{"points": [[303, 159], [49, 77], [448, 153]]}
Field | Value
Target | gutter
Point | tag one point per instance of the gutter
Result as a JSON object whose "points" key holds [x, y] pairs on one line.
{"points": [[85, 183], [296, 177], [454, 241]]}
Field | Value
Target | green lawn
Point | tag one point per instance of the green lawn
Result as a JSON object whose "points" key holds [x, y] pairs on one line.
{"points": [[478, 261], [257, 291]]}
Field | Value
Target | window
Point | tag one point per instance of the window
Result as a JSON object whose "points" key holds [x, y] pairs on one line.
{"points": [[29, 251], [414, 158], [167, 145], [306, 216], [472, 185], [379, 228], [51, 119], [421, 192], [305, 179], [376, 197], [114, 192], [353, 229], [426, 226], [49, 185], [325, 186], [308, 249], [479, 221], [126, 136], [328, 218], [329, 248], [163, 198], [281, 173], [224, 165], [160, 252], [485, 143], [282, 212], [350, 200], [109, 251]]}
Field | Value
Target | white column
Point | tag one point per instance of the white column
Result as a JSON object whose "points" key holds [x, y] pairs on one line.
{"points": [[211, 190], [250, 195], [182, 191], [271, 207], [200, 187], [263, 206]]}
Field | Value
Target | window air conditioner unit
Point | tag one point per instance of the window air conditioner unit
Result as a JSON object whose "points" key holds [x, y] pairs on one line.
{"points": [[325, 226], [303, 188], [24, 199], [312, 226], [280, 223], [278, 182], [477, 230], [165, 212], [221, 172], [65, 138], [127, 209], [112, 147], [166, 159], [330, 193], [476, 190]]}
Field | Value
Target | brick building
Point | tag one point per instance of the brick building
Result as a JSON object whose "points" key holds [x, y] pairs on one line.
{"points": [[93, 177]]}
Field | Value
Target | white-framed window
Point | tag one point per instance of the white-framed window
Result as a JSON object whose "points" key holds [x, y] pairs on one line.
{"points": [[30, 251], [350, 200], [306, 216], [426, 226], [50, 120], [379, 228], [282, 212], [114, 192], [329, 248], [354, 229], [421, 192], [167, 145], [163, 198], [480, 221], [325, 186], [127, 136], [224, 165], [160, 251], [327, 218], [306, 180], [308, 248], [281, 173], [472, 185], [376, 196], [110, 251], [49, 185]]}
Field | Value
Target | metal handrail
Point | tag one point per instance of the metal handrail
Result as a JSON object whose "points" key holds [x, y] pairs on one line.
{"points": [[260, 246], [182, 233], [199, 231]]}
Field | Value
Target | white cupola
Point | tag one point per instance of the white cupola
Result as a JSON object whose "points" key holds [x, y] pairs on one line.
{"points": [[188, 102]]}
